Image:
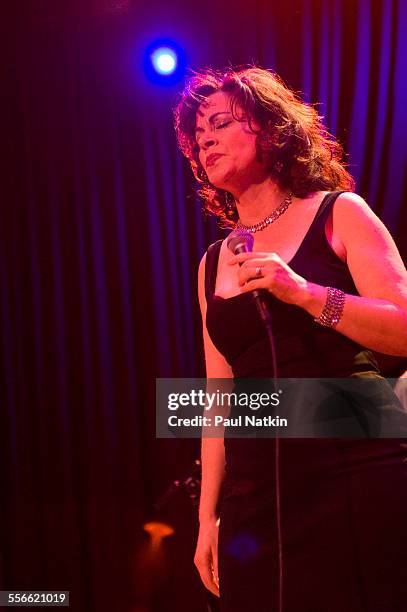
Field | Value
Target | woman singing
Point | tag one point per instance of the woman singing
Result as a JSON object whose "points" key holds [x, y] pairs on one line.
{"points": [[335, 539]]}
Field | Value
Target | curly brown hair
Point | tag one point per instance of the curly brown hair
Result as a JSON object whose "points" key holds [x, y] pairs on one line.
{"points": [[301, 155]]}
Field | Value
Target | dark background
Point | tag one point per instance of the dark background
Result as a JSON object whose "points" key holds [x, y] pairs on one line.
{"points": [[100, 239]]}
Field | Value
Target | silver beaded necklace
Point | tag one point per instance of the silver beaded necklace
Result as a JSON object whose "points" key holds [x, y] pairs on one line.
{"points": [[257, 227]]}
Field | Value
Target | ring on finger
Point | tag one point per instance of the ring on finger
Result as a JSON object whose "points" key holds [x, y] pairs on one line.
{"points": [[258, 271]]}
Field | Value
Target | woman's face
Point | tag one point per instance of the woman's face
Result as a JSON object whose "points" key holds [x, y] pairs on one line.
{"points": [[227, 147]]}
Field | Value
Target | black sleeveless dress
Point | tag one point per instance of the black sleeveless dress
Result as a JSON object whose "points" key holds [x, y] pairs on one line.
{"points": [[342, 502]]}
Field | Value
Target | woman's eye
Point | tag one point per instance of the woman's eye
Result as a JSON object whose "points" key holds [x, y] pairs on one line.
{"points": [[222, 125]]}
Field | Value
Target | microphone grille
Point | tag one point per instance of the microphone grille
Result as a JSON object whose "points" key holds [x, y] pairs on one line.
{"points": [[240, 240]]}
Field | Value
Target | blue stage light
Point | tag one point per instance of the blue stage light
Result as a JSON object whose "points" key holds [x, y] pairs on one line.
{"points": [[164, 62]]}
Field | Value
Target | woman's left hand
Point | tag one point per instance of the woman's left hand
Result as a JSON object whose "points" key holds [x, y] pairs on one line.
{"points": [[269, 271]]}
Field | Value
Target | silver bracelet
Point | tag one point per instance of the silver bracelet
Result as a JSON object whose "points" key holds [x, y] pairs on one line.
{"points": [[333, 309]]}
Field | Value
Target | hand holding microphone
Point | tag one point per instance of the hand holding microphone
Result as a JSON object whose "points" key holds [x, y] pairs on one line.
{"points": [[239, 242], [261, 272]]}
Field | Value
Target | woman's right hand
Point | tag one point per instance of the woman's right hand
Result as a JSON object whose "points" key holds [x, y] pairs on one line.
{"points": [[206, 555]]}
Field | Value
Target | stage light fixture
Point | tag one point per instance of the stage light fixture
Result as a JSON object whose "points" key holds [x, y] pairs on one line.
{"points": [[164, 62]]}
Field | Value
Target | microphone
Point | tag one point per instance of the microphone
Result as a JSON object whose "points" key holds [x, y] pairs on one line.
{"points": [[241, 241]]}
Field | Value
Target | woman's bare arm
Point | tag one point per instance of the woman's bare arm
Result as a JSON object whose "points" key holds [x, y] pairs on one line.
{"points": [[212, 449], [212, 461], [377, 318]]}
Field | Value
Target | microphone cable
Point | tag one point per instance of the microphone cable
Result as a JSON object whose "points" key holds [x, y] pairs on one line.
{"points": [[270, 336], [240, 241]]}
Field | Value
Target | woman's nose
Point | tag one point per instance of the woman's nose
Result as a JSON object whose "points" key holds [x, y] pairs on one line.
{"points": [[208, 141]]}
